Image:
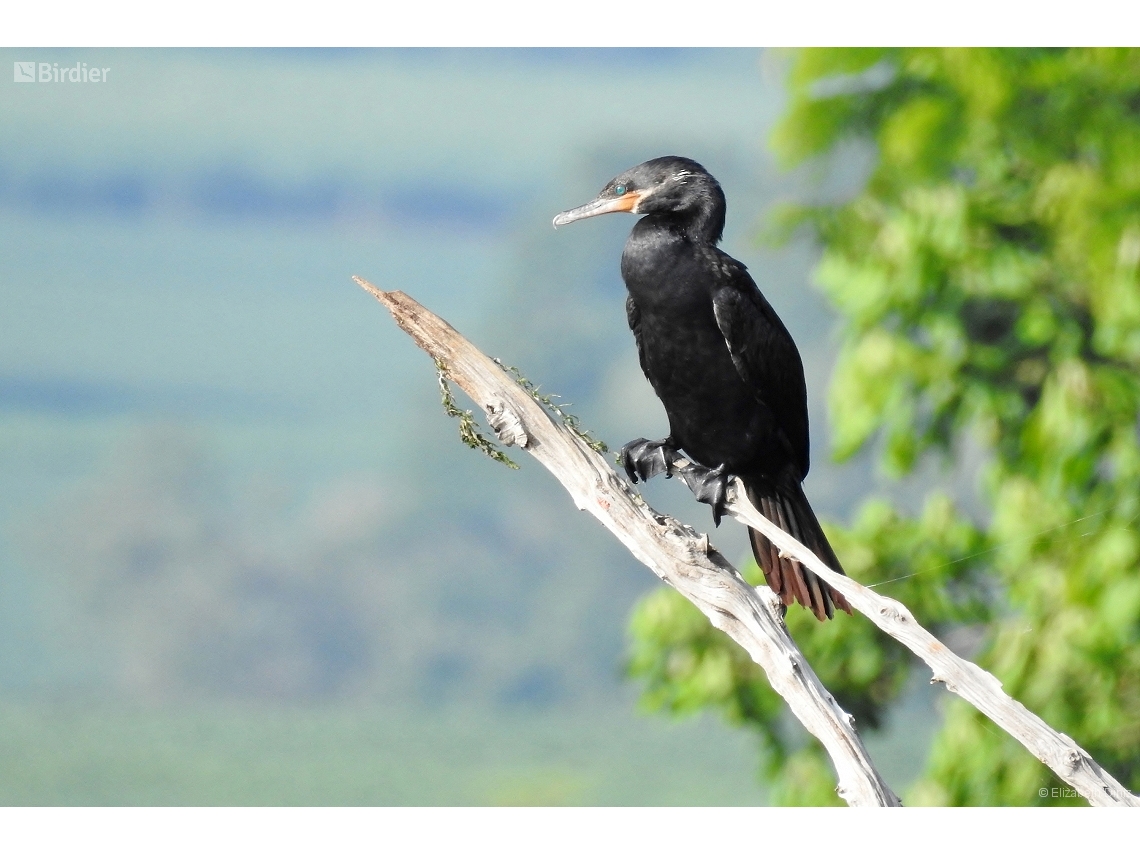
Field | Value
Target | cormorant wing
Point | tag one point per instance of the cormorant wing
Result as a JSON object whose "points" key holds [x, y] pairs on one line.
{"points": [[764, 354], [633, 318]]}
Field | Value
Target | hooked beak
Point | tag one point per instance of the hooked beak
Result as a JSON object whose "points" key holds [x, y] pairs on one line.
{"points": [[599, 206]]}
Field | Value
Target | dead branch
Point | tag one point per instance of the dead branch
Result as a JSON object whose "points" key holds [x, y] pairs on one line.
{"points": [[676, 553], [1059, 752]]}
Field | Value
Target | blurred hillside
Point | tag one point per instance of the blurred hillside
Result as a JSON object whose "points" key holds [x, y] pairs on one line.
{"points": [[227, 476]]}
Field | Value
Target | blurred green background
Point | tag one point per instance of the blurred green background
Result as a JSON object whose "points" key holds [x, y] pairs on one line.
{"points": [[243, 557]]}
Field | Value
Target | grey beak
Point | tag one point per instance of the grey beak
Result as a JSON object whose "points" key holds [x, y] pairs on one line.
{"points": [[597, 207]]}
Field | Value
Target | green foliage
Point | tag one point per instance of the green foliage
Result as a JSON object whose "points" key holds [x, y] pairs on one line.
{"points": [[987, 277]]}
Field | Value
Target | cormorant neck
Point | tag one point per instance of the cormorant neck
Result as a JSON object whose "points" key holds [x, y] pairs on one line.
{"points": [[706, 223], [700, 224]]}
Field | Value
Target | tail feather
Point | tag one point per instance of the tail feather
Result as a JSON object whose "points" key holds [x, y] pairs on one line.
{"points": [[790, 569], [789, 509], [809, 580], [768, 556]]}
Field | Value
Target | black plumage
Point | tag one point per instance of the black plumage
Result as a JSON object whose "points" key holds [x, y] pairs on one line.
{"points": [[721, 361]]}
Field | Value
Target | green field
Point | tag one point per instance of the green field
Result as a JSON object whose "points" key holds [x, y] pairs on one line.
{"points": [[69, 754], [246, 755]]}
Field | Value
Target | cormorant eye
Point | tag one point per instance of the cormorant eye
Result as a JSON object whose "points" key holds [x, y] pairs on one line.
{"points": [[620, 189]]}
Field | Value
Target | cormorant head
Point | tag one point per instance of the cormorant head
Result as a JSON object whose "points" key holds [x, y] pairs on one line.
{"points": [[677, 188]]}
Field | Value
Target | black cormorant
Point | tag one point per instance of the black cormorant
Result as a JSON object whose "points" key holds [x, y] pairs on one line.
{"points": [[720, 360]]}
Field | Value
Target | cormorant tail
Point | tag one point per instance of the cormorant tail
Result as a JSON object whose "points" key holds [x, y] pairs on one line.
{"points": [[789, 509]]}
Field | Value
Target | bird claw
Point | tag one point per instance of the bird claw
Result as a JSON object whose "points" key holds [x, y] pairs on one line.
{"points": [[644, 458], [709, 486]]}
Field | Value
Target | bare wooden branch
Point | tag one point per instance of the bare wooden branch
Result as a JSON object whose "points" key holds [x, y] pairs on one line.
{"points": [[1059, 752], [676, 553]]}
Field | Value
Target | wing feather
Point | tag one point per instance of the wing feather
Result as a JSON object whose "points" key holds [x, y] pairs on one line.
{"points": [[764, 354], [633, 318]]}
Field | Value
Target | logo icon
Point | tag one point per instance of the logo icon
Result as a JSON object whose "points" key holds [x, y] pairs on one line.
{"points": [[24, 72]]}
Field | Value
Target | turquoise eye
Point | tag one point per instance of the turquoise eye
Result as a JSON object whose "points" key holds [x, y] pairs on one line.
{"points": [[619, 190]]}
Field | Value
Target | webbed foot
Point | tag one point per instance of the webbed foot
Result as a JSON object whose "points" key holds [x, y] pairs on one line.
{"points": [[708, 485], [644, 458]]}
